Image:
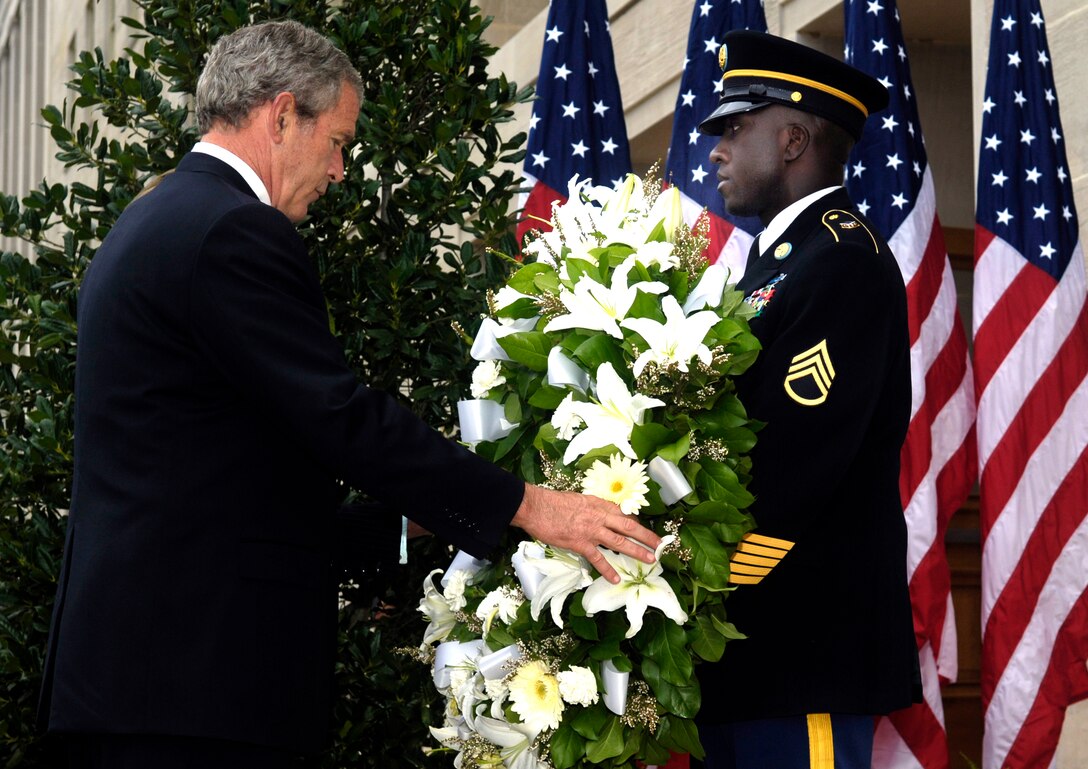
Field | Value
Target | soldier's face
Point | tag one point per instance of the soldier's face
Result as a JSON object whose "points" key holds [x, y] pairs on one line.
{"points": [[751, 162]]}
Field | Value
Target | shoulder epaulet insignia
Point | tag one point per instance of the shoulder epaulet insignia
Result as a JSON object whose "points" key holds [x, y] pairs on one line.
{"points": [[809, 378], [756, 555], [839, 222]]}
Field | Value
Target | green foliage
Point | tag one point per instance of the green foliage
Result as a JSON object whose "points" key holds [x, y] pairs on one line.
{"points": [[403, 248]]}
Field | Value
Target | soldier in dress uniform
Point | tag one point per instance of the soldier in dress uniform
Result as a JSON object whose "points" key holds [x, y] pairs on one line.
{"points": [[821, 583]]}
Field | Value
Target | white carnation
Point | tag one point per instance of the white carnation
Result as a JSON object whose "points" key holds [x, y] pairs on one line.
{"points": [[565, 420], [503, 603], [578, 686], [486, 376], [455, 590]]}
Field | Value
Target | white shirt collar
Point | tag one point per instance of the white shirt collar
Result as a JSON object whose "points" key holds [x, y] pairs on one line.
{"points": [[786, 216], [239, 165]]}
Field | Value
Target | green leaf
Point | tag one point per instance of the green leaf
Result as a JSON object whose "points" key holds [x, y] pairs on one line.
{"points": [[709, 512], [589, 722], [647, 439], [548, 397], [524, 280], [706, 639], [610, 743], [529, 348], [683, 701], [728, 630], [579, 268], [680, 735], [663, 641], [599, 349], [567, 746], [722, 483], [709, 558]]}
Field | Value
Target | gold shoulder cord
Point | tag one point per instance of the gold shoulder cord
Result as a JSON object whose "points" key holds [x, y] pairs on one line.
{"points": [[834, 218]]}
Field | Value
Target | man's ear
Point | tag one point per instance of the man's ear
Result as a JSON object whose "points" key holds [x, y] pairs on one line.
{"points": [[281, 115], [798, 138]]}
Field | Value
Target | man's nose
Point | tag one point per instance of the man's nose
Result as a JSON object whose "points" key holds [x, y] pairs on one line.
{"points": [[336, 168], [717, 155]]}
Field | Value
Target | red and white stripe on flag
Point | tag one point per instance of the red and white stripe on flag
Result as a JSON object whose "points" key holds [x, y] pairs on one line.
{"points": [[1031, 373], [890, 180]]}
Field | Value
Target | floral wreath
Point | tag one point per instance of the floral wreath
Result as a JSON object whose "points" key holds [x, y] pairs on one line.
{"points": [[606, 367]]}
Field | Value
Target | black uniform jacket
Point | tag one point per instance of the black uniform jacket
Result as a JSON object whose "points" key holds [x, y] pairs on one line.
{"points": [[821, 589], [215, 420]]}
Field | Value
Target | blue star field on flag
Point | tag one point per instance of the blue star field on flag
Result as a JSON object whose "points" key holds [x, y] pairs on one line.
{"points": [[688, 165], [1025, 193], [577, 125], [886, 168]]}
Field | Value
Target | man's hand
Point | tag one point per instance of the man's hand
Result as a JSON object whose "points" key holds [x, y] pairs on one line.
{"points": [[580, 522]]}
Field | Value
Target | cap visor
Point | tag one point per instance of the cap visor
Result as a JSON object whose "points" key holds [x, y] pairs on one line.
{"points": [[714, 123]]}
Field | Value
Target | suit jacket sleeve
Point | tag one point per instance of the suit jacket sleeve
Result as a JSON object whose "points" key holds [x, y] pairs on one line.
{"points": [[259, 314]]}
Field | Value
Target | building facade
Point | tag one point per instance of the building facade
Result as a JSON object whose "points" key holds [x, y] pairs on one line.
{"points": [[947, 40]]}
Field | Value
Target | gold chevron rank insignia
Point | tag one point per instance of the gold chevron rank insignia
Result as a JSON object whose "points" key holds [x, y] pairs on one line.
{"points": [[756, 555], [810, 376]]}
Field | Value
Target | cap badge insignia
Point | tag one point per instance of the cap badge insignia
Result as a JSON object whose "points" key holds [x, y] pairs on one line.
{"points": [[723, 57], [782, 251], [810, 375]]}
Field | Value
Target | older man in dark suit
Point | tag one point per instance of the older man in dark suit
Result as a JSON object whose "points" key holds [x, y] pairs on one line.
{"points": [[194, 623]]}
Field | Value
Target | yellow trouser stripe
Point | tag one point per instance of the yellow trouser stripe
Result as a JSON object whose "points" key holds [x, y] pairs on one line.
{"points": [[821, 745]]}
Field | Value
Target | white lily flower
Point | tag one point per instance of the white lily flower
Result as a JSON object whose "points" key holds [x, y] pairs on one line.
{"points": [[661, 254], [513, 740], [610, 420], [668, 208], [641, 586], [596, 307], [708, 291], [436, 609], [563, 572], [677, 340], [506, 296]]}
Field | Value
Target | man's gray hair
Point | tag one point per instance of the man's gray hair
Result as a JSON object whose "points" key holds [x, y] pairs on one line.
{"points": [[254, 64]]}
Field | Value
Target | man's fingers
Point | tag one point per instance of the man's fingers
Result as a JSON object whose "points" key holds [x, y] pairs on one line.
{"points": [[601, 564]]}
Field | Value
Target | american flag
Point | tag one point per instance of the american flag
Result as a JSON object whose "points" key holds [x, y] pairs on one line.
{"points": [[577, 124], [1031, 361], [891, 182], [688, 165]]}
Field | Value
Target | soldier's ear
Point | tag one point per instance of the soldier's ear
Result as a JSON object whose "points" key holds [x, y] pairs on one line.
{"points": [[798, 139]]}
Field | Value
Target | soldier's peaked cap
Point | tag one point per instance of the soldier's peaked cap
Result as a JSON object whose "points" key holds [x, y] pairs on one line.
{"points": [[760, 69]]}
